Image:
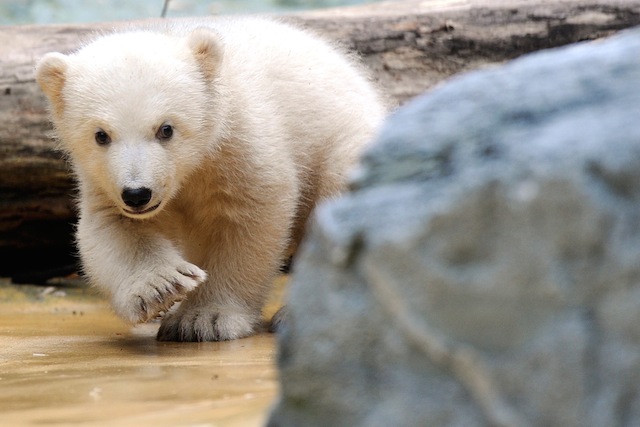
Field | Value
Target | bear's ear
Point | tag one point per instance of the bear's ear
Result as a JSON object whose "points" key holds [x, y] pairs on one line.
{"points": [[206, 47], [51, 75]]}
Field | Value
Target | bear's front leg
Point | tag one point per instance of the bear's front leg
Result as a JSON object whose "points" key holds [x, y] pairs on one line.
{"points": [[229, 304], [142, 272]]}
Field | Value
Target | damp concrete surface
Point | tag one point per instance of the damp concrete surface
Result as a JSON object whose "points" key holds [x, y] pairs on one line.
{"points": [[66, 359]]}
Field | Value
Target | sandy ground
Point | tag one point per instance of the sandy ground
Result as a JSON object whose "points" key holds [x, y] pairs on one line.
{"points": [[65, 359]]}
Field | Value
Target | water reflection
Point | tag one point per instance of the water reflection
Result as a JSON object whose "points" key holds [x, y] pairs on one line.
{"points": [[78, 372], [66, 359]]}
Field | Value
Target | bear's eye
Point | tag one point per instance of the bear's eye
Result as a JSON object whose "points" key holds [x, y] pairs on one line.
{"points": [[102, 137], [165, 132]]}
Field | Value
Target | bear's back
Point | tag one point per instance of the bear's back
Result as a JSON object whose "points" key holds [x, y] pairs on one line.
{"points": [[320, 95]]}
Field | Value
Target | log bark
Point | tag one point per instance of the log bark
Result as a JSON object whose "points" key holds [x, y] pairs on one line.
{"points": [[410, 45]]}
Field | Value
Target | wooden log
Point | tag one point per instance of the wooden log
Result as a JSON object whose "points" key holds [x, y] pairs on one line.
{"points": [[410, 45]]}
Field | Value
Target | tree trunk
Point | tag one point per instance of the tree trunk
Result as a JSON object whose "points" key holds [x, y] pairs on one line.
{"points": [[410, 45]]}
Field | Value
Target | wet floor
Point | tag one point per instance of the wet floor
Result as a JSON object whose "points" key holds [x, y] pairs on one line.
{"points": [[65, 359]]}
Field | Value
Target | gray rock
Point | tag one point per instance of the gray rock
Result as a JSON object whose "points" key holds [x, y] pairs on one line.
{"points": [[485, 269]]}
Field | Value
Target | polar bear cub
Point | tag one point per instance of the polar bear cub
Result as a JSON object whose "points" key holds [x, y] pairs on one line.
{"points": [[199, 152]]}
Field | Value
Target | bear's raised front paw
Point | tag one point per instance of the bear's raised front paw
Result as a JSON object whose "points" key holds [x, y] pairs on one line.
{"points": [[206, 324], [156, 291]]}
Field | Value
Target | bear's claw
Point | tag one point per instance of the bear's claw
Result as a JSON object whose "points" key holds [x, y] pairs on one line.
{"points": [[156, 292], [205, 324]]}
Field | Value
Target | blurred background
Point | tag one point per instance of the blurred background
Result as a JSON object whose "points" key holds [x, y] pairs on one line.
{"points": [[14, 12]]}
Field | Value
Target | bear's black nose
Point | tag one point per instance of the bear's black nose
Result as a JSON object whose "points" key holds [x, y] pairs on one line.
{"points": [[136, 197]]}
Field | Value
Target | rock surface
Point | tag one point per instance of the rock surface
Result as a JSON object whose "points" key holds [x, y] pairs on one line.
{"points": [[485, 269]]}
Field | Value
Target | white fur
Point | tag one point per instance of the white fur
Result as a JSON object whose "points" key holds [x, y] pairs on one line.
{"points": [[267, 121]]}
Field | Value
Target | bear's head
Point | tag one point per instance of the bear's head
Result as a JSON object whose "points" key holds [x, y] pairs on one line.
{"points": [[136, 112]]}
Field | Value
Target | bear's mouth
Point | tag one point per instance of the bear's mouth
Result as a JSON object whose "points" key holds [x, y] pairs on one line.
{"points": [[142, 211]]}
